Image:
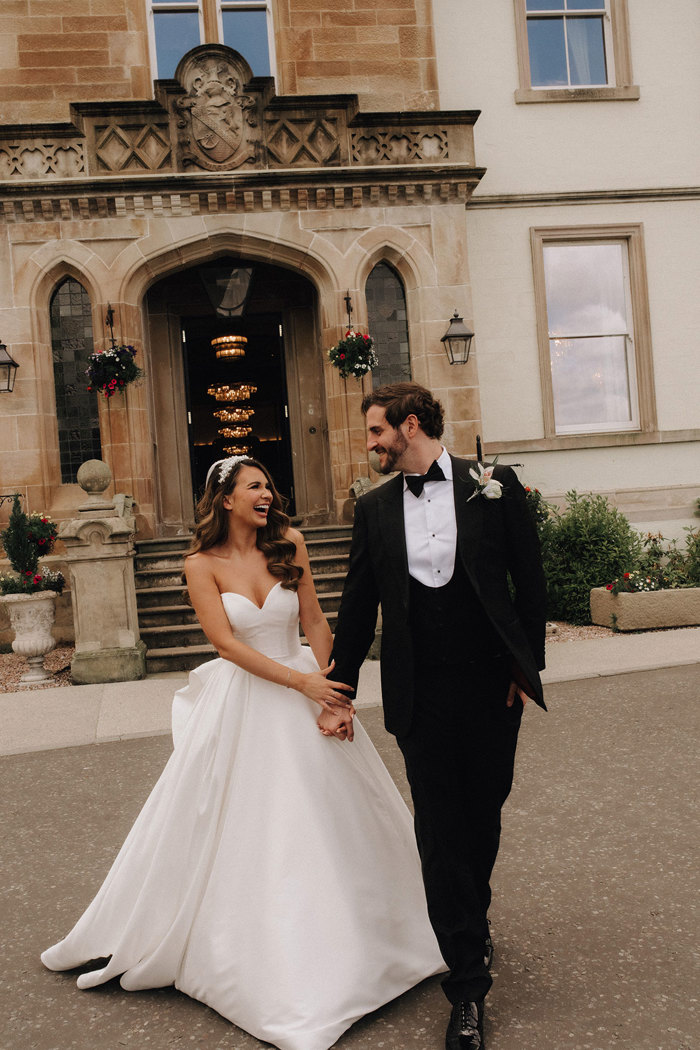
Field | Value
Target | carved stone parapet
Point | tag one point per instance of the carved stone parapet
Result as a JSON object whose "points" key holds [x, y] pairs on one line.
{"points": [[42, 157], [214, 116]]}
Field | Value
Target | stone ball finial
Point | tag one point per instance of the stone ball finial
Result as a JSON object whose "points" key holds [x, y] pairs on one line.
{"points": [[93, 477]]}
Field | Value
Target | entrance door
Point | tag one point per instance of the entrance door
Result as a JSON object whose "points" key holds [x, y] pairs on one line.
{"points": [[289, 432], [212, 434]]}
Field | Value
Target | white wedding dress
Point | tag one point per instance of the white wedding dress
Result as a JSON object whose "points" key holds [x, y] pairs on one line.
{"points": [[273, 872]]}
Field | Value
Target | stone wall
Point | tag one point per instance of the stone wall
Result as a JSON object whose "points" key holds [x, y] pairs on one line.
{"points": [[382, 50], [54, 52]]}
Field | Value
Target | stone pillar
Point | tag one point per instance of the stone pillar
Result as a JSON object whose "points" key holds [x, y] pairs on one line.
{"points": [[100, 554]]}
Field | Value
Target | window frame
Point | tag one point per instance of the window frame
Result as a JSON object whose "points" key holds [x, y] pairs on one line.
{"points": [[620, 86], [643, 377], [211, 28]]}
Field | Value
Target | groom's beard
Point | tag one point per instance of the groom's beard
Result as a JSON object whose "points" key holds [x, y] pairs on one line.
{"points": [[392, 454]]}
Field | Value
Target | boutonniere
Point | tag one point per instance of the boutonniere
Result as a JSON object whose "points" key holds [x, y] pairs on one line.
{"points": [[484, 482]]}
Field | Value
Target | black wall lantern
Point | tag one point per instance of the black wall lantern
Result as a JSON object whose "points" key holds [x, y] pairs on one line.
{"points": [[458, 341], [8, 371]]}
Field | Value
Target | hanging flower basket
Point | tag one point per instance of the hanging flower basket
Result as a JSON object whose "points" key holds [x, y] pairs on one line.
{"points": [[110, 371], [354, 355]]}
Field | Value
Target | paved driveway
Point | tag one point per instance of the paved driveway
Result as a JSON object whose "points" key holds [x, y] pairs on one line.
{"points": [[595, 889]]}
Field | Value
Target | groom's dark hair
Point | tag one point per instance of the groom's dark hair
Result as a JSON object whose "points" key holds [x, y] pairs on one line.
{"points": [[400, 400]]}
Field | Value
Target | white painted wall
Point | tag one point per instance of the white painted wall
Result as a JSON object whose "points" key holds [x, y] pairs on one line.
{"points": [[554, 147], [500, 262], [532, 147]]}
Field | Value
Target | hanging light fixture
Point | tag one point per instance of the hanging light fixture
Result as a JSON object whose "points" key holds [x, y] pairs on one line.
{"points": [[236, 432], [229, 415], [237, 450], [236, 415], [232, 391], [229, 346]]}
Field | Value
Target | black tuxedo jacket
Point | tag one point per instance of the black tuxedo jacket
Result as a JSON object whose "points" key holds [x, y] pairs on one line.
{"points": [[495, 539]]}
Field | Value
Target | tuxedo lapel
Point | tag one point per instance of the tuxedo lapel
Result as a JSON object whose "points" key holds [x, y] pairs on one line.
{"points": [[393, 532], [469, 515]]}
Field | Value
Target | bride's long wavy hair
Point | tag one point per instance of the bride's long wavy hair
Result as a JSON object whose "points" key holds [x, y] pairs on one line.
{"points": [[212, 524]]}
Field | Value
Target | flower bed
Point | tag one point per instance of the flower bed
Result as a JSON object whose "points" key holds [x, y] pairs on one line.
{"points": [[646, 610]]}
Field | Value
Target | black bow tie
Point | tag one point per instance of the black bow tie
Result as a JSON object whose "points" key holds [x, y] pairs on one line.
{"points": [[416, 482]]}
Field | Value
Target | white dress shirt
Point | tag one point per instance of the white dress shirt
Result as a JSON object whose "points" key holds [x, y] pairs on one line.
{"points": [[431, 528]]}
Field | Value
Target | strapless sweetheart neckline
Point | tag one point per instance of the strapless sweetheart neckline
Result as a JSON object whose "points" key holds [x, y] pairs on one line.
{"points": [[250, 600]]}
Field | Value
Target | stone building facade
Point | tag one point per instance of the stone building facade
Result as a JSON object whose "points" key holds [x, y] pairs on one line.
{"points": [[141, 195], [163, 159]]}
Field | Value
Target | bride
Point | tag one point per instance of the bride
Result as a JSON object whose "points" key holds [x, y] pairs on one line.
{"points": [[272, 872]]}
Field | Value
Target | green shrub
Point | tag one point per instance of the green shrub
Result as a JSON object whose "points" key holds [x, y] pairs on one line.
{"points": [[587, 545]]}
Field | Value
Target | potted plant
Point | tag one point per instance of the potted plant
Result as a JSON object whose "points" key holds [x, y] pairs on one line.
{"points": [[29, 592], [354, 354], [662, 591], [111, 371]]}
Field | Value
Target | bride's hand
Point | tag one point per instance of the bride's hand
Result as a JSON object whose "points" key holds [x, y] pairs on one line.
{"points": [[326, 694], [338, 725]]}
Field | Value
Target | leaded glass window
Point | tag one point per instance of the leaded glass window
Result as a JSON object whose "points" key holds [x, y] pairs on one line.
{"points": [[76, 407], [388, 325]]}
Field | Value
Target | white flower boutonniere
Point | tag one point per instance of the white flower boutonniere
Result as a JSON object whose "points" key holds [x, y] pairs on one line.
{"points": [[486, 484]]}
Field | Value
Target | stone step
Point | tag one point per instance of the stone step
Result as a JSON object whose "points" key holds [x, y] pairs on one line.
{"points": [[159, 616], [318, 548], [173, 636], [324, 564], [155, 597], [329, 581], [329, 601], [163, 543], [323, 532], [178, 658], [148, 578], [160, 560]]}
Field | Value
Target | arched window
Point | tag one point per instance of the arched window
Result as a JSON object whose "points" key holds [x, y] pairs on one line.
{"points": [[76, 407], [386, 315]]}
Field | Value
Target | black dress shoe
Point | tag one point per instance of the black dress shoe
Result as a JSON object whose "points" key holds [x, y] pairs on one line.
{"points": [[466, 1028]]}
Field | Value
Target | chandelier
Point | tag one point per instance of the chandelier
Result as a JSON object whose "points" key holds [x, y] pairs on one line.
{"points": [[237, 450], [236, 432], [232, 391], [229, 346], [236, 415]]}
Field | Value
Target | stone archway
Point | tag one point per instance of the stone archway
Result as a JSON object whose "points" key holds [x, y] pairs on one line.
{"points": [[280, 318]]}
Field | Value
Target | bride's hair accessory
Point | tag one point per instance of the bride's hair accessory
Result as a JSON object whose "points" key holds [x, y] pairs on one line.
{"points": [[225, 467]]}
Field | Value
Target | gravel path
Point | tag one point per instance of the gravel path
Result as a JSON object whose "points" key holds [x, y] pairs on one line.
{"points": [[12, 667]]}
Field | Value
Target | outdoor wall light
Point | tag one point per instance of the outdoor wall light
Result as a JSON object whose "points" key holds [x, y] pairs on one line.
{"points": [[458, 341], [8, 371]]}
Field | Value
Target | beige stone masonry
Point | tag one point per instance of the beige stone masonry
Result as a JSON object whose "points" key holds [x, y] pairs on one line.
{"points": [[646, 610]]}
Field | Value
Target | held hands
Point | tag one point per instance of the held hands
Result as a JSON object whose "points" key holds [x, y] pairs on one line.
{"points": [[338, 725], [326, 694]]}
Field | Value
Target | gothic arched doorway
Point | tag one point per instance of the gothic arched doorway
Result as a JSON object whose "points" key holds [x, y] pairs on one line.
{"points": [[274, 406]]}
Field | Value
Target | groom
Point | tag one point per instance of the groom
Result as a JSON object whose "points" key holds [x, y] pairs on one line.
{"points": [[435, 547]]}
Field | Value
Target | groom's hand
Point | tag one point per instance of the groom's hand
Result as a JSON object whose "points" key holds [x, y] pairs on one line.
{"points": [[513, 691], [519, 686]]}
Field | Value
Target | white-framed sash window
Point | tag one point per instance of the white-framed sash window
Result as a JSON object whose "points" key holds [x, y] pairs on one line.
{"points": [[176, 26], [569, 43], [594, 330]]}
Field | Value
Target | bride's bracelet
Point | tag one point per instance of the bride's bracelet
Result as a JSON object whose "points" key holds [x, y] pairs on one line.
{"points": [[289, 677]]}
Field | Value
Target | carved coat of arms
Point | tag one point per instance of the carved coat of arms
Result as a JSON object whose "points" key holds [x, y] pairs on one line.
{"points": [[217, 122]]}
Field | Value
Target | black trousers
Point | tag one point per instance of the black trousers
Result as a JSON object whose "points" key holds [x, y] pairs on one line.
{"points": [[460, 754]]}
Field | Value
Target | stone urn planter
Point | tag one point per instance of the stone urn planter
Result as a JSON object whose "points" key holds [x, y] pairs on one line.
{"points": [[646, 610], [32, 617]]}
